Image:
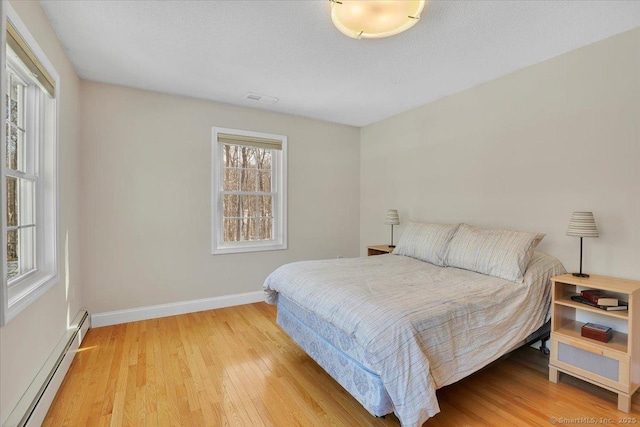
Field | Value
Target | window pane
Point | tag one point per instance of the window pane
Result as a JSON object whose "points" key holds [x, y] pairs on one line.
{"points": [[255, 229], [12, 202], [10, 148], [230, 155], [13, 107], [261, 229], [231, 205], [252, 231], [264, 159], [266, 204], [20, 202], [16, 107], [264, 181], [248, 178], [15, 126], [231, 180], [12, 254], [266, 230], [244, 229], [248, 157], [231, 230], [21, 249], [250, 206], [15, 148]]}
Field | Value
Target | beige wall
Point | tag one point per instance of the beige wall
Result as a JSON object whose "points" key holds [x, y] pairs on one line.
{"points": [[27, 340], [522, 152], [146, 166]]}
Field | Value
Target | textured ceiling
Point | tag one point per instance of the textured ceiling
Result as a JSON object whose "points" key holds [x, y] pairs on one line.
{"points": [[220, 50]]}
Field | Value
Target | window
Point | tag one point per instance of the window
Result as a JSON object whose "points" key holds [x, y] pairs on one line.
{"points": [[249, 191], [29, 149], [21, 178]]}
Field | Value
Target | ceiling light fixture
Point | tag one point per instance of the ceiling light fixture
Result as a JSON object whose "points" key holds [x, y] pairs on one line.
{"points": [[373, 19]]}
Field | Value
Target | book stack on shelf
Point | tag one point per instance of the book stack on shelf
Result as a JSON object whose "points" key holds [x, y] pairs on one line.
{"points": [[597, 332], [599, 299]]}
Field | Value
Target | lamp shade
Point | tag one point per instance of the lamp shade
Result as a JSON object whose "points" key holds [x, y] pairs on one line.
{"points": [[368, 19], [582, 224], [392, 217]]}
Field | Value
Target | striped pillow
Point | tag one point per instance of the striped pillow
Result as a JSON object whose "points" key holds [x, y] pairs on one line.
{"points": [[426, 242], [498, 253]]}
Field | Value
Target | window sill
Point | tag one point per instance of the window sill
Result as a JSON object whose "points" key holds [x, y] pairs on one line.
{"points": [[30, 294], [248, 248]]}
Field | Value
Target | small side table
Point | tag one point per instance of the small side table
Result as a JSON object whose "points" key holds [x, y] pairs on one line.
{"points": [[379, 250], [614, 365]]}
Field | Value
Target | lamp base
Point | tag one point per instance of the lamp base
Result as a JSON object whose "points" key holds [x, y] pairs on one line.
{"points": [[580, 275]]}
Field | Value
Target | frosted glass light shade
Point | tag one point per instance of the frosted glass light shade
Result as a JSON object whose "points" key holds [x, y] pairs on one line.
{"points": [[372, 19], [582, 224], [392, 217]]}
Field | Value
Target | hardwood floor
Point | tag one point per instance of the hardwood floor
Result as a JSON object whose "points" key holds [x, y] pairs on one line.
{"points": [[234, 366]]}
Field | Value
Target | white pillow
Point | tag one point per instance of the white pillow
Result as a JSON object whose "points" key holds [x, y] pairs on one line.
{"points": [[498, 253], [426, 242]]}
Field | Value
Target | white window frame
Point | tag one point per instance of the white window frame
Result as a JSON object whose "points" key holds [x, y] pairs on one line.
{"points": [[279, 188], [16, 295]]}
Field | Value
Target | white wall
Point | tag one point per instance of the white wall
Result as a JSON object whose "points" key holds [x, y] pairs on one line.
{"points": [[146, 197], [28, 339], [521, 152]]}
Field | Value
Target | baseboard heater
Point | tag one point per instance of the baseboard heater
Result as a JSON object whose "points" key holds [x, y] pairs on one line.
{"points": [[34, 404]]}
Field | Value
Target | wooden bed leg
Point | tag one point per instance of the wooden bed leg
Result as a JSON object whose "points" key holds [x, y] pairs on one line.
{"points": [[553, 375]]}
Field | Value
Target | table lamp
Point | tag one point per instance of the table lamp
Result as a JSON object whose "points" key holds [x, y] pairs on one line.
{"points": [[582, 224], [392, 219]]}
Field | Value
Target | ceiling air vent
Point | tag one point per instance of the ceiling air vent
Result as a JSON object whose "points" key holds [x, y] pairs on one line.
{"points": [[261, 98]]}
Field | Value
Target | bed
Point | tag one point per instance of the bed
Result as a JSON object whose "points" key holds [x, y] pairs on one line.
{"points": [[392, 329]]}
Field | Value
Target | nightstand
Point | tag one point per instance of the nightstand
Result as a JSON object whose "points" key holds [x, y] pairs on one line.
{"points": [[379, 250], [614, 365]]}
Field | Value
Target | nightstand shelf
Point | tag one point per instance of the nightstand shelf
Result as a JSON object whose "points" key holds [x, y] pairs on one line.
{"points": [[568, 302], [573, 330], [614, 365]]}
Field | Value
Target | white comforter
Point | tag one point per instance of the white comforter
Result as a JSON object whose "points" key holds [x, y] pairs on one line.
{"points": [[422, 326]]}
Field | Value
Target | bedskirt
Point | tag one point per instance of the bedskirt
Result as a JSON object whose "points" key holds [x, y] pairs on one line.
{"points": [[326, 348], [342, 358]]}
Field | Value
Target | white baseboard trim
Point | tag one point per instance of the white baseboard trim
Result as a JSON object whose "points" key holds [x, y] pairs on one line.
{"points": [[174, 308], [35, 402]]}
